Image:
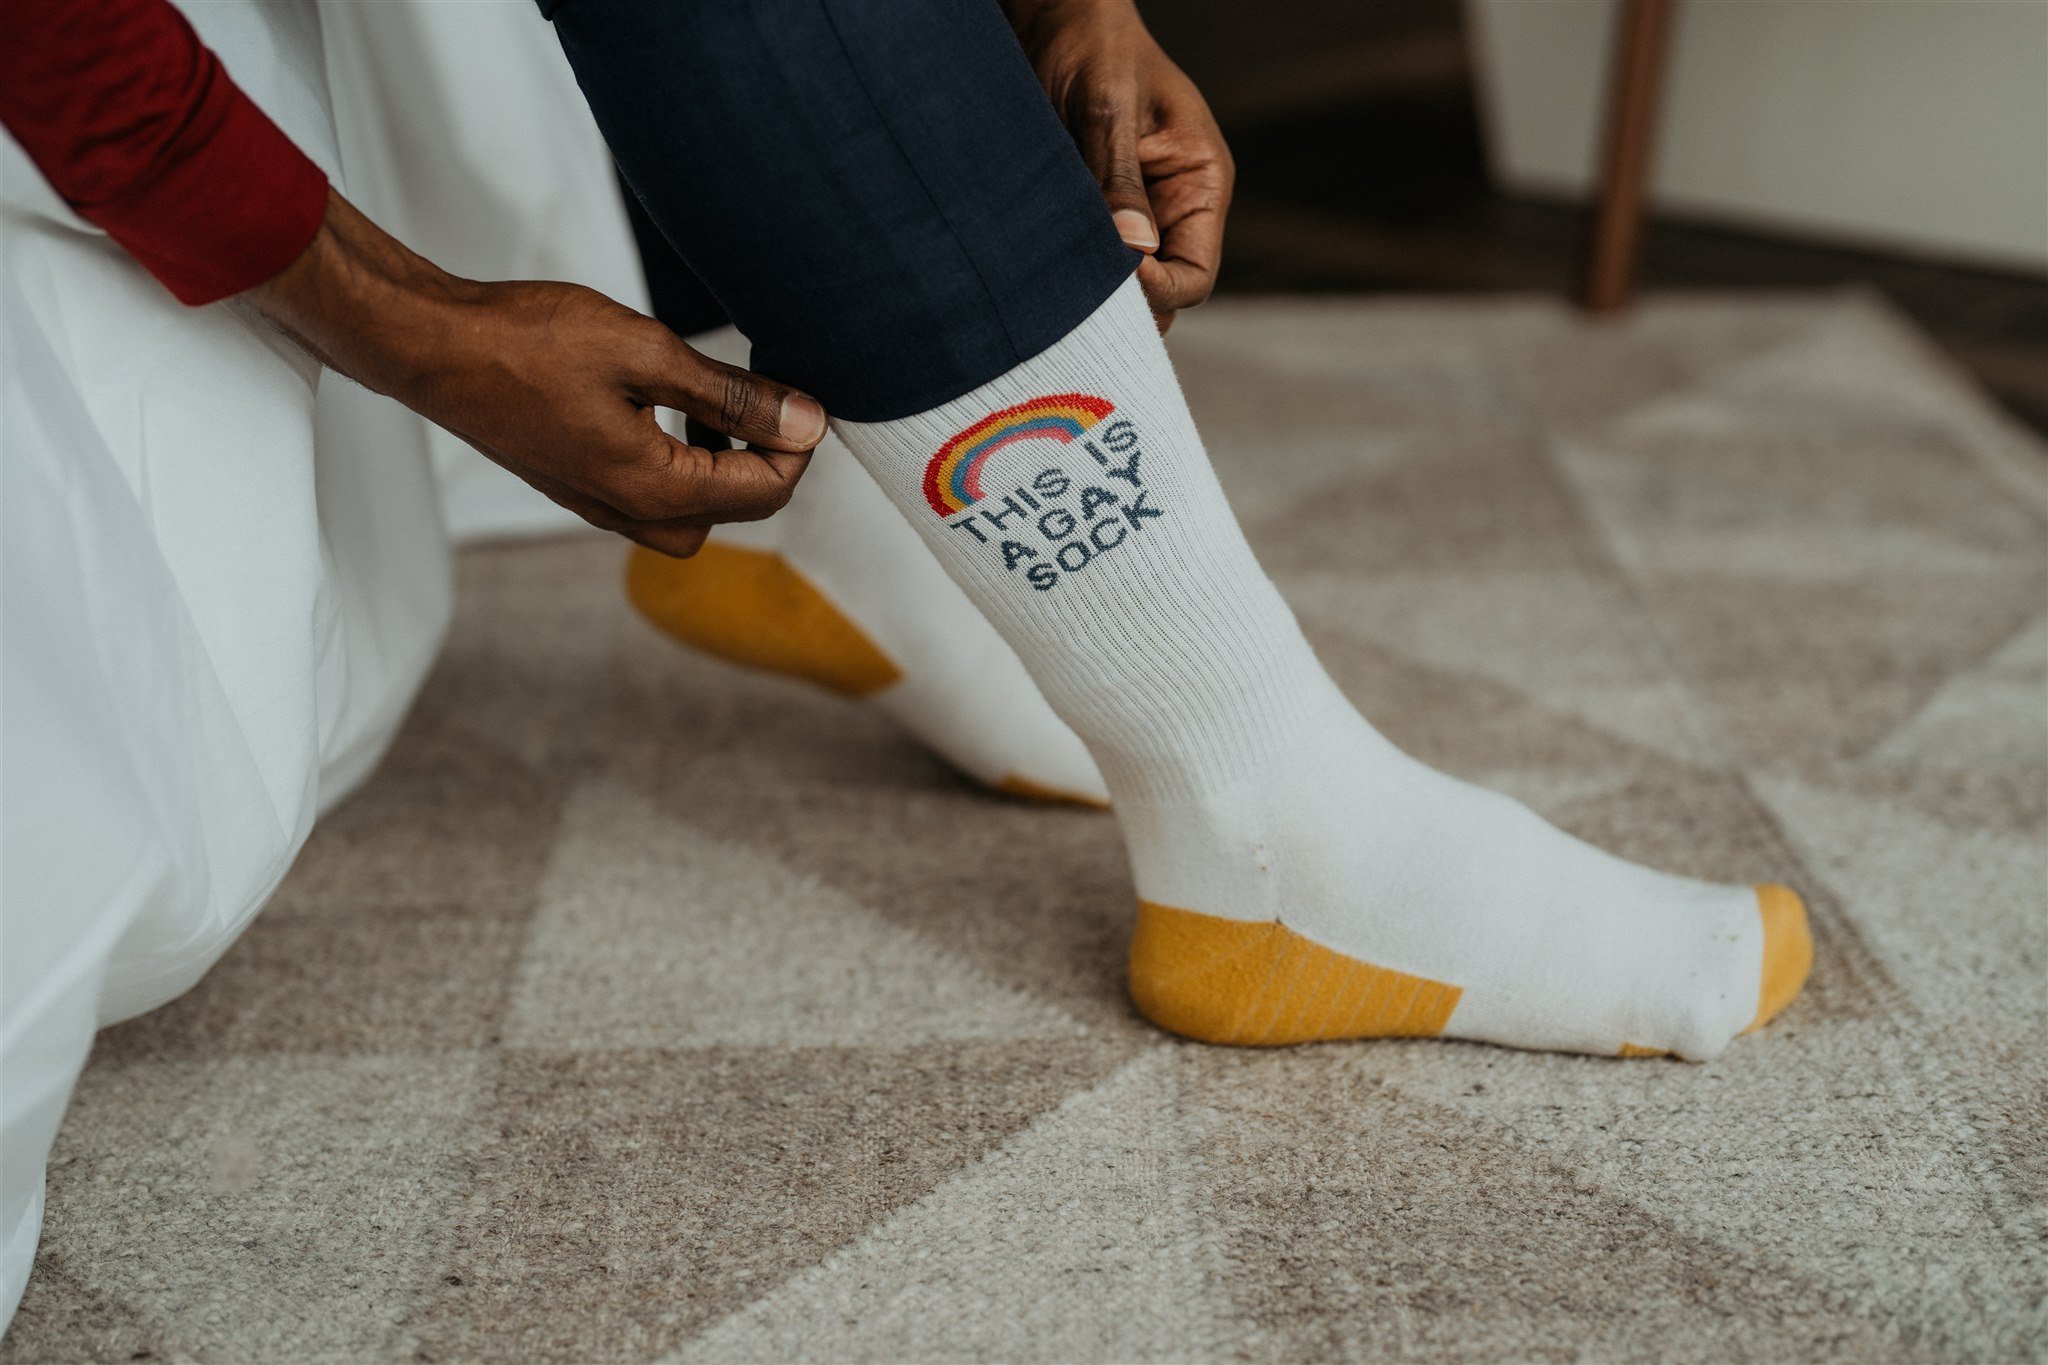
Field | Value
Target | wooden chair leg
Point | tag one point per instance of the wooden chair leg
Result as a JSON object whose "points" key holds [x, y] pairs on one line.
{"points": [[1634, 91]]}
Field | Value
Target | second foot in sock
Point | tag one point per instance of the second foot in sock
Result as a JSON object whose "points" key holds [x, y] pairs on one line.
{"points": [[839, 590], [842, 608], [1352, 892]]}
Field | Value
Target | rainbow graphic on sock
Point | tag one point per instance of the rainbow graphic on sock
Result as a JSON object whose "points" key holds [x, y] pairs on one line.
{"points": [[952, 481]]}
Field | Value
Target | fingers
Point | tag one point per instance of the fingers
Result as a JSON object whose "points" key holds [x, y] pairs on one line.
{"points": [[1189, 177], [1191, 204], [706, 481], [643, 483], [1110, 147], [731, 485], [667, 481], [677, 542], [677, 539], [737, 402], [705, 435], [1171, 285]]}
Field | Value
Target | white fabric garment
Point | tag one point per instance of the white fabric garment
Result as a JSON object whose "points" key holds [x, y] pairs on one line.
{"points": [[223, 573]]}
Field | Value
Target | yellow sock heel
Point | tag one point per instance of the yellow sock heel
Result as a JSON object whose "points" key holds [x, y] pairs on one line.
{"points": [[752, 607], [1261, 985], [1025, 789]]}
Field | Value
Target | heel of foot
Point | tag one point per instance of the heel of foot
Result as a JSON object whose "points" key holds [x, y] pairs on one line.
{"points": [[752, 607], [1260, 984], [1788, 951]]}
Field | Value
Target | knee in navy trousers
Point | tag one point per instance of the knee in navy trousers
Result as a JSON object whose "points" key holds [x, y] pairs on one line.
{"points": [[876, 192]]}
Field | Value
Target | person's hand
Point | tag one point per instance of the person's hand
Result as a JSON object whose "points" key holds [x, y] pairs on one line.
{"points": [[555, 382], [1146, 133]]}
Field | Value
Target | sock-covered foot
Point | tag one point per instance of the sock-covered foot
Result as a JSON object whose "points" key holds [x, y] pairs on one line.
{"points": [[837, 590], [1299, 878], [1345, 890]]}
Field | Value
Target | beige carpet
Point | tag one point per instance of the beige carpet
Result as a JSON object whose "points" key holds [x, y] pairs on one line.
{"points": [[644, 1008]]}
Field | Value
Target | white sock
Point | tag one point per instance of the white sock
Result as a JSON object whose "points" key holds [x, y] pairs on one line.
{"points": [[836, 588], [1298, 876]]}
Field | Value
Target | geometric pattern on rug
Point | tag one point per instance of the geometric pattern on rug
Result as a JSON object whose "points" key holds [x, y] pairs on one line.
{"points": [[643, 1008]]}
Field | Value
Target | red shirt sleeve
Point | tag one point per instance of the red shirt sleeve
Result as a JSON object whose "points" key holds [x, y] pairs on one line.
{"points": [[135, 123]]}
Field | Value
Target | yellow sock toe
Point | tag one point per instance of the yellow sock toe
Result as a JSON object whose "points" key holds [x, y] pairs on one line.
{"points": [[1788, 951], [752, 607]]}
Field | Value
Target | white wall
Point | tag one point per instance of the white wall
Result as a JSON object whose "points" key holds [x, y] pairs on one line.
{"points": [[1916, 124]]}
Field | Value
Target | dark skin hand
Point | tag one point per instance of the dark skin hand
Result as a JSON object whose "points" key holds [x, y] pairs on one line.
{"points": [[555, 382], [1146, 133]]}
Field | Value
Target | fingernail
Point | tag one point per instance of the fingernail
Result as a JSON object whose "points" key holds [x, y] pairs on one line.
{"points": [[801, 418], [1136, 230]]}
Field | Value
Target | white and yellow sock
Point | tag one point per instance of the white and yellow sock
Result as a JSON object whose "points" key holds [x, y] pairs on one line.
{"points": [[837, 590], [1299, 877]]}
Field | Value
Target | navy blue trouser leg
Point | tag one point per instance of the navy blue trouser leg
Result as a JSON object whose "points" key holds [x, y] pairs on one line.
{"points": [[876, 192], [678, 297]]}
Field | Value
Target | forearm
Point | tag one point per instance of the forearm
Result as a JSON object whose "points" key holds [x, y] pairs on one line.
{"points": [[365, 304]]}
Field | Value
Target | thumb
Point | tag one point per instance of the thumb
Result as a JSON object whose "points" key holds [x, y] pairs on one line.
{"points": [[744, 405], [1112, 154]]}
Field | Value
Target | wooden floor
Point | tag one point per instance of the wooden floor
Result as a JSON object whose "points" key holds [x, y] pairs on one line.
{"points": [[1361, 167]]}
